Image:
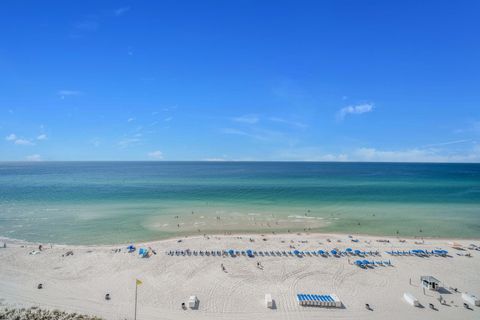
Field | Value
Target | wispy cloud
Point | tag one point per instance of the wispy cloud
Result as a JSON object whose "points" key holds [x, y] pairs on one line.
{"points": [[416, 155], [155, 155], [288, 122], [307, 154], [11, 137], [24, 142], [68, 93], [34, 157], [441, 144], [96, 142], [130, 119], [234, 132], [127, 142], [248, 119], [121, 11], [168, 119], [42, 136], [256, 133], [354, 110], [370, 154], [88, 25]]}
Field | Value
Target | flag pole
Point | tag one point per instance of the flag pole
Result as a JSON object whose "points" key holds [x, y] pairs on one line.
{"points": [[136, 287]]}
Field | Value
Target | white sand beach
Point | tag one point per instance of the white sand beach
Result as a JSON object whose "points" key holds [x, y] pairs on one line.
{"points": [[79, 282]]}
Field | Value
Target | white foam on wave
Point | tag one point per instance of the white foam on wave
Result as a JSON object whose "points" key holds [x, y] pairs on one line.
{"points": [[301, 217]]}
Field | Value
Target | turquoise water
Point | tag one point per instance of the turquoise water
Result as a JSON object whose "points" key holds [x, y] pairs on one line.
{"points": [[111, 202]]}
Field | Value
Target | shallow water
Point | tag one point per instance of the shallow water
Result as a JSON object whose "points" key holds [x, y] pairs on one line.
{"points": [[109, 202]]}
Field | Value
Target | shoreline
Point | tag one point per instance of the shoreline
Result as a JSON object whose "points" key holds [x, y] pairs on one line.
{"points": [[79, 282], [235, 234]]}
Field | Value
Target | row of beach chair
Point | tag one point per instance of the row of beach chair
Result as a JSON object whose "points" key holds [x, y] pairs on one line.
{"points": [[277, 253], [318, 300], [366, 264], [418, 253]]}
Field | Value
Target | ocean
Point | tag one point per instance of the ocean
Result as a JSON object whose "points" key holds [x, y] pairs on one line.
{"points": [[120, 202]]}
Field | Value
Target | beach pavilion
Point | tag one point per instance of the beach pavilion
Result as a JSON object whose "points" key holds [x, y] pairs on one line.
{"points": [[430, 282]]}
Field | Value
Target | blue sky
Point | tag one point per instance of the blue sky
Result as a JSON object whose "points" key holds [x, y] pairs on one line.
{"points": [[240, 80]]}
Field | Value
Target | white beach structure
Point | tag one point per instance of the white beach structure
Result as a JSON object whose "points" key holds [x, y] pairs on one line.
{"points": [[269, 301], [430, 283], [470, 298], [411, 299], [192, 302]]}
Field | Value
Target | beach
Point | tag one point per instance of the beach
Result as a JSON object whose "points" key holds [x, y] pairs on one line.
{"points": [[78, 281]]}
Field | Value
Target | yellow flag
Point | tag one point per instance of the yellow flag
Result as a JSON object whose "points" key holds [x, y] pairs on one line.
{"points": [[138, 282]]}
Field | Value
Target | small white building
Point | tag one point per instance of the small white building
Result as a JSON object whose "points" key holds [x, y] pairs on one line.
{"points": [[192, 302], [410, 299], [269, 301], [430, 283], [470, 298]]}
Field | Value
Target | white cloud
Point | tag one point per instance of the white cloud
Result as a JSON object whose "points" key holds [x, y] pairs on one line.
{"points": [[131, 119], [43, 136], [68, 93], [235, 132], [357, 109], [288, 122], [366, 154], [24, 142], [87, 25], [248, 119], [120, 11], [11, 137], [446, 143], [307, 154], [19, 141], [33, 157], [415, 155], [168, 119], [128, 142], [257, 134], [156, 155], [96, 142]]}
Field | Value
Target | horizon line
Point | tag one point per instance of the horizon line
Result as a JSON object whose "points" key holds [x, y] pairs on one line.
{"points": [[237, 161]]}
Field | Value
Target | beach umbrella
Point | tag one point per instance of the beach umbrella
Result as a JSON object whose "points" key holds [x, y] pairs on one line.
{"points": [[365, 262], [321, 252], [334, 252], [296, 252], [249, 253], [349, 250], [357, 251], [231, 252]]}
